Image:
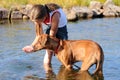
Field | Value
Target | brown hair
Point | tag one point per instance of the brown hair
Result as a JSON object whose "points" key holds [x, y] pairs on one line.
{"points": [[39, 11], [51, 7]]}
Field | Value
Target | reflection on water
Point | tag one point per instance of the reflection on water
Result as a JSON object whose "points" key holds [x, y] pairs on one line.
{"points": [[64, 74], [16, 65]]}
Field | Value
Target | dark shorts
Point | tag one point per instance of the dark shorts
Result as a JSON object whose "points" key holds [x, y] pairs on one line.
{"points": [[61, 33]]}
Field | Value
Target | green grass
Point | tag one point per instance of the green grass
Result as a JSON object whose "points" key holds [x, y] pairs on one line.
{"points": [[117, 2], [63, 3]]}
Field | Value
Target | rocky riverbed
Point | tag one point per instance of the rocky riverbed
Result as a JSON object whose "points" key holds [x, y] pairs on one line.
{"points": [[94, 10]]}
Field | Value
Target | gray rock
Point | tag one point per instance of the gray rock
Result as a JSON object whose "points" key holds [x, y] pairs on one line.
{"points": [[83, 12], [71, 14], [111, 10], [26, 10], [16, 15], [97, 8], [95, 5], [4, 13], [25, 17], [108, 2]]}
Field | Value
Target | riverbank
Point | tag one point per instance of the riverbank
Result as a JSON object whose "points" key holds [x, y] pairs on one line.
{"points": [[94, 10]]}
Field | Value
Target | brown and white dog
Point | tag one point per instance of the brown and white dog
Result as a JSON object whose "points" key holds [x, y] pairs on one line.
{"points": [[71, 51]]}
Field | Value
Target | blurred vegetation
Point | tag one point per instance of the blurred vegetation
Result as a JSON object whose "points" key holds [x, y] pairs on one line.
{"points": [[63, 3]]}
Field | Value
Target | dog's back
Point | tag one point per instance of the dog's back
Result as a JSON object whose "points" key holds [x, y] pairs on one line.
{"points": [[87, 51]]}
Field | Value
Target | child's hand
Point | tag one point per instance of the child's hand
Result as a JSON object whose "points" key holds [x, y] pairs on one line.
{"points": [[28, 49]]}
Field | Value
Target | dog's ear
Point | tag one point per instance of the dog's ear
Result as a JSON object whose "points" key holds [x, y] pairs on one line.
{"points": [[61, 44], [44, 39], [53, 38]]}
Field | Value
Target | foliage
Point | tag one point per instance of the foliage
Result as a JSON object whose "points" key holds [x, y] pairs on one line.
{"points": [[63, 3]]}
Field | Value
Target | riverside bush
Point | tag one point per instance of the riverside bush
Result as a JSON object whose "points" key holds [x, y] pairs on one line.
{"points": [[63, 3]]}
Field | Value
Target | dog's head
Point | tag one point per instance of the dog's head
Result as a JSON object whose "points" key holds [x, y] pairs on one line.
{"points": [[40, 42], [44, 41]]}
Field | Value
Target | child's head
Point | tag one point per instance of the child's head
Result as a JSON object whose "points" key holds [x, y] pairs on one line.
{"points": [[38, 12]]}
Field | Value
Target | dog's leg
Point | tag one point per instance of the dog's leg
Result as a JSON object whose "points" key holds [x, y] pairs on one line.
{"points": [[98, 69], [87, 63], [85, 66], [69, 67], [99, 65]]}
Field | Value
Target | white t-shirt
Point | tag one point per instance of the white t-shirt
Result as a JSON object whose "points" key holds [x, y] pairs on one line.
{"points": [[62, 21]]}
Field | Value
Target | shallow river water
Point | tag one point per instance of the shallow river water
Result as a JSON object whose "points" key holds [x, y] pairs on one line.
{"points": [[17, 65]]}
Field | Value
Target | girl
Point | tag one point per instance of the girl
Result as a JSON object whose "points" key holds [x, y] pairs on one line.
{"points": [[53, 16]]}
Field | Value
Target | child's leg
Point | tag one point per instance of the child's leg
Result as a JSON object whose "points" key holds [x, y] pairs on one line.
{"points": [[48, 57]]}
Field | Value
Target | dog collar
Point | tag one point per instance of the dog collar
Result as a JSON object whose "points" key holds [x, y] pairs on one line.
{"points": [[56, 50]]}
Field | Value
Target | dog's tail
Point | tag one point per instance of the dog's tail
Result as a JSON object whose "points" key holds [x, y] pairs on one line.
{"points": [[99, 64]]}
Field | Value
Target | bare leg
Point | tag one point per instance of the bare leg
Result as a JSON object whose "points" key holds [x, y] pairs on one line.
{"points": [[48, 68], [48, 57], [47, 60]]}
